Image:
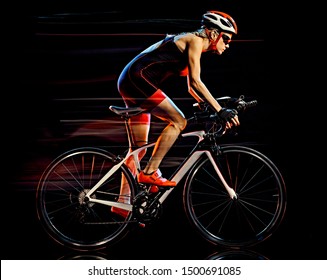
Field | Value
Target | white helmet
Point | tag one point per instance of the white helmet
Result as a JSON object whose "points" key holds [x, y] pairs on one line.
{"points": [[219, 20]]}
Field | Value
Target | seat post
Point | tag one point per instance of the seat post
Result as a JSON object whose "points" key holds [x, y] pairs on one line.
{"points": [[129, 131], [131, 143]]}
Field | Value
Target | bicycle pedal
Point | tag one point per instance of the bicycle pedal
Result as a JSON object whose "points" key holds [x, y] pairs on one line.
{"points": [[153, 189], [156, 189], [142, 225]]}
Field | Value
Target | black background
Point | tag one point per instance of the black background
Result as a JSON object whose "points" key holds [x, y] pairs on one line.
{"points": [[63, 66]]}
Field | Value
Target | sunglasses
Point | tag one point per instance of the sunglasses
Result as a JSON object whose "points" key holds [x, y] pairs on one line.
{"points": [[226, 39]]}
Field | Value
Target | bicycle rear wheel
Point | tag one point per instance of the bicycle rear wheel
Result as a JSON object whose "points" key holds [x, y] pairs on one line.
{"points": [[258, 209], [61, 208]]}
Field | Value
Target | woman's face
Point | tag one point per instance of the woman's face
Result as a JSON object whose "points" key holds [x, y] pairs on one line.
{"points": [[221, 43]]}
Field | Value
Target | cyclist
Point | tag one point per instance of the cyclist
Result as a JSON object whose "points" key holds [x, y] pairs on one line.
{"points": [[139, 85]]}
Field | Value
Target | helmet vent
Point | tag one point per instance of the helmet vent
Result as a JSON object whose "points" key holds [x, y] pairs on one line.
{"points": [[226, 23]]}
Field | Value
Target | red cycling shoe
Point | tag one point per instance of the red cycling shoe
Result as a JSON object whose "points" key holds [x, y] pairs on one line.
{"points": [[155, 179]]}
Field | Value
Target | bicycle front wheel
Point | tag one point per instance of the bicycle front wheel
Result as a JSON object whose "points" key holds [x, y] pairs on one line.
{"points": [[66, 216], [256, 212]]}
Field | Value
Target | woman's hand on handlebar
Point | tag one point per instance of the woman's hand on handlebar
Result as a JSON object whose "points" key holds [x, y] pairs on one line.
{"points": [[233, 122], [229, 116]]}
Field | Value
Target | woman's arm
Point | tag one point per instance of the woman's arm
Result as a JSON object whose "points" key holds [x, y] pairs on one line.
{"points": [[195, 85]]}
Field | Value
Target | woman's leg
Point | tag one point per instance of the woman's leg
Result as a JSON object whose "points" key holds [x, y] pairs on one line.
{"points": [[170, 113], [140, 126]]}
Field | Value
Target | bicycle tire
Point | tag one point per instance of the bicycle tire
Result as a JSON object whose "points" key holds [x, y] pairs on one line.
{"points": [[59, 199], [247, 220]]}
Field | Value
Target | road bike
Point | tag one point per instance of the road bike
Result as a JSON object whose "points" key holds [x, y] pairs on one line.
{"points": [[233, 195]]}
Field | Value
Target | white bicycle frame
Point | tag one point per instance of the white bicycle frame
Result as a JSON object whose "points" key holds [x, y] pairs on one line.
{"points": [[182, 170]]}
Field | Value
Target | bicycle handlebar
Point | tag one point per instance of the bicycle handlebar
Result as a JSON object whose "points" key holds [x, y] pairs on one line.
{"points": [[242, 105], [238, 104], [231, 103]]}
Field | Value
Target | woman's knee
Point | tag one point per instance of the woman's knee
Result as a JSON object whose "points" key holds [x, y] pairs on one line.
{"points": [[180, 124], [184, 124]]}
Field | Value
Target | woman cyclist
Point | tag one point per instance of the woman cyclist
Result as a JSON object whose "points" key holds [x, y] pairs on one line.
{"points": [[140, 82]]}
